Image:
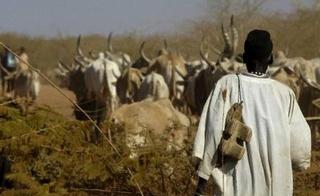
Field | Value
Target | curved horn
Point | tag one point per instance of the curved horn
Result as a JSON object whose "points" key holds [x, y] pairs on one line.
{"points": [[173, 83], [201, 46], [226, 38], [203, 56], [124, 59], [63, 66], [165, 43], [79, 62], [79, 51], [109, 45], [309, 82], [142, 54], [235, 36]]}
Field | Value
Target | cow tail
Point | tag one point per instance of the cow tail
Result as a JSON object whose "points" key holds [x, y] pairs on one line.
{"points": [[173, 83], [129, 87], [154, 88], [106, 89]]}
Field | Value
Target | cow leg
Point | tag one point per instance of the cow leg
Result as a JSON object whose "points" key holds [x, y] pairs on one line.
{"points": [[95, 135], [4, 168], [3, 86]]}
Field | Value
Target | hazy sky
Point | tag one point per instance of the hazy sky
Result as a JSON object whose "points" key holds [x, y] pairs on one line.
{"points": [[72, 17]]}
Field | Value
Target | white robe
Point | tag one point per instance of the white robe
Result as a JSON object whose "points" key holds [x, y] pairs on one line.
{"points": [[281, 138]]}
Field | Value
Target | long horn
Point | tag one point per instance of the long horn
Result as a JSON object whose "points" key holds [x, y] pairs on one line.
{"points": [[201, 46], [309, 82], [124, 59], [173, 83], [62, 65], [226, 38], [235, 36], [79, 62], [109, 44], [142, 54], [165, 43], [203, 56], [79, 51]]}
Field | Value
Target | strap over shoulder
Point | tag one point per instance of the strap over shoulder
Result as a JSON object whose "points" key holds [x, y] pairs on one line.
{"points": [[239, 88]]}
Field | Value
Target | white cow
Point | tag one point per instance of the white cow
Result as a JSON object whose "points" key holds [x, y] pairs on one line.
{"points": [[100, 80], [153, 88], [26, 84], [122, 59]]}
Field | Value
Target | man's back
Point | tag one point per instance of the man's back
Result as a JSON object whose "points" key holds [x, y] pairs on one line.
{"points": [[271, 111]]}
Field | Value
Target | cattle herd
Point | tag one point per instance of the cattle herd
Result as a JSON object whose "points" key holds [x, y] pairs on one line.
{"points": [[104, 81]]}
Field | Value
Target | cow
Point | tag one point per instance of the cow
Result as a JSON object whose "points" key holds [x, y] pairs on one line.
{"points": [[172, 67], [134, 86], [120, 58], [128, 84], [153, 88], [26, 84], [73, 78], [301, 76], [93, 82], [26, 87], [200, 85], [100, 81], [288, 71], [143, 62], [157, 118], [100, 77]]}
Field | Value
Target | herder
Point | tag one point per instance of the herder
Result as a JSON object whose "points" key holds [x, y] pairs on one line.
{"points": [[8, 67], [25, 59], [280, 136]]}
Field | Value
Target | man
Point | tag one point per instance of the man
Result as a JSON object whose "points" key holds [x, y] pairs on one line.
{"points": [[24, 57], [9, 65], [280, 138]]}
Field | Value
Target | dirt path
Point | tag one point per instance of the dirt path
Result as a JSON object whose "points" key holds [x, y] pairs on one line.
{"points": [[51, 97]]}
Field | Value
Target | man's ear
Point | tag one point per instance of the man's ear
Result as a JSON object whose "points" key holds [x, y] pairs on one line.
{"points": [[245, 58], [270, 59]]}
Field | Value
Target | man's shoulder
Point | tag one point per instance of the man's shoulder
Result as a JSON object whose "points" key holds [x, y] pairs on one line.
{"points": [[281, 87], [228, 77]]}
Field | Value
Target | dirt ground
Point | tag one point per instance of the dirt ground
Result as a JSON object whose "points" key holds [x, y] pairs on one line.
{"points": [[51, 97]]}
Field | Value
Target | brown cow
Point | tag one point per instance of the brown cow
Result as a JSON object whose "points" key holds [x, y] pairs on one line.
{"points": [[128, 84]]}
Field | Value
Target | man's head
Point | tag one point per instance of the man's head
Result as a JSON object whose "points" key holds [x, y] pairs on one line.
{"points": [[258, 51], [22, 49]]}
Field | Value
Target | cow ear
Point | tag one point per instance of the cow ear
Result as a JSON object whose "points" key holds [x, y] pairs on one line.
{"points": [[245, 58], [271, 59]]}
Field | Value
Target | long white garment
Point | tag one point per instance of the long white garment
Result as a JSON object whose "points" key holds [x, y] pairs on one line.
{"points": [[280, 137]]}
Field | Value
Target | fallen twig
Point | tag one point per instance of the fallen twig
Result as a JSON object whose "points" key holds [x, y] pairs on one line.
{"points": [[103, 191]]}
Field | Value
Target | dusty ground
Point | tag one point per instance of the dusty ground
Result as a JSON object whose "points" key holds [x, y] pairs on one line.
{"points": [[51, 97]]}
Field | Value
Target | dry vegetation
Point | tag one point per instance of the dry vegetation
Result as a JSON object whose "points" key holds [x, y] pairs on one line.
{"points": [[50, 155]]}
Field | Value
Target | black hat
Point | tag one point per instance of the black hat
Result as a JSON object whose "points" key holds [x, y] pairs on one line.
{"points": [[258, 45]]}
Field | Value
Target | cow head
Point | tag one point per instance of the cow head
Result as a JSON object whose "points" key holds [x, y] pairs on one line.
{"points": [[231, 38], [122, 59], [128, 84], [143, 62], [72, 78]]}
